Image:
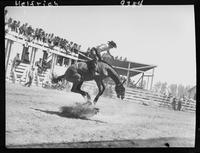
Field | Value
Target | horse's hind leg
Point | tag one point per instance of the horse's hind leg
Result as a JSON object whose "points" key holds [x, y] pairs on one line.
{"points": [[87, 94], [77, 89]]}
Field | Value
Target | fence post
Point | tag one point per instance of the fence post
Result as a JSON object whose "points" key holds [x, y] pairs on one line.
{"points": [[141, 85], [128, 74], [8, 53], [152, 79]]}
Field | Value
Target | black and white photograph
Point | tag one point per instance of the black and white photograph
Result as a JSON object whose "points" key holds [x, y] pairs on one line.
{"points": [[100, 76]]}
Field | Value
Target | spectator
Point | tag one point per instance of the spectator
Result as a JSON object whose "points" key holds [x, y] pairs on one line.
{"points": [[38, 70], [26, 57], [6, 22], [6, 19], [49, 39], [24, 29], [38, 64], [64, 46], [21, 30], [30, 76], [71, 46], [88, 50], [56, 41], [43, 37], [79, 48], [17, 26], [8, 25], [40, 34], [46, 37], [44, 65], [174, 103], [16, 61], [74, 48], [30, 32], [62, 43], [9, 21], [36, 34], [47, 80], [52, 37], [14, 26], [179, 105]]}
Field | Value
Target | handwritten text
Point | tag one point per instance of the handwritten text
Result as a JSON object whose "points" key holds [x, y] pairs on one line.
{"points": [[129, 3], [35, 3]]}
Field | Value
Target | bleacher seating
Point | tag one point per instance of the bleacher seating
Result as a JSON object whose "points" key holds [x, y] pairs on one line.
{"points": [[21, 77]]}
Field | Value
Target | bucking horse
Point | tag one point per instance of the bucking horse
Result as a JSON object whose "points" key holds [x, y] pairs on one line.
{"points": [[78, 72]]}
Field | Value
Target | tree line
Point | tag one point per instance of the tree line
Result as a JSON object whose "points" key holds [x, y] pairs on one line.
{"points": [[175, 90]]}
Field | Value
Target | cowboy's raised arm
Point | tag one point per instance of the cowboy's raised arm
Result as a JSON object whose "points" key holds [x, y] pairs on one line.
{"points": [[100, 45]]}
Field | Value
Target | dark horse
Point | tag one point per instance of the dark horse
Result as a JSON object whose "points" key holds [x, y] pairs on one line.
{"points": [[78, 73]]}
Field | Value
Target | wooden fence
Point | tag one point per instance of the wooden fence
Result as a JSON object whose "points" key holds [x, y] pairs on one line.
{"points": [[140, 96], [22, 78], [144, 97]]}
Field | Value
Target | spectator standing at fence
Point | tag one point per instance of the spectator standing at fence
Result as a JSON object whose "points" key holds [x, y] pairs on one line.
{"points": [[38, 70], [30, 76], [16, 61], [179, 104], [38, 64], [174, 103]]}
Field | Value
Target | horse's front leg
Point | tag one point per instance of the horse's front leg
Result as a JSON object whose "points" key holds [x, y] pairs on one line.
{"points": [[101, 87]]}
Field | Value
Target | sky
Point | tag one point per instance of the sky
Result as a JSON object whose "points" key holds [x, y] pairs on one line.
{"points": [[159, 35]]}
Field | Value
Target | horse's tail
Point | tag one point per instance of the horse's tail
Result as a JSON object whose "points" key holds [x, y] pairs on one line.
{"points": [[57, 79]]}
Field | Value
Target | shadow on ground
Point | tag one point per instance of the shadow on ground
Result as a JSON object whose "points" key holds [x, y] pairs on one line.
{"points": [[76, 112]]}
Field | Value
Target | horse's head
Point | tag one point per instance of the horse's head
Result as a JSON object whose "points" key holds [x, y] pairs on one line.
{"points": [[120, 90]]}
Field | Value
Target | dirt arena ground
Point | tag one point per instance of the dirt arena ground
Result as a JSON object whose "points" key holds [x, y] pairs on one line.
{"points": [[33, 120]]}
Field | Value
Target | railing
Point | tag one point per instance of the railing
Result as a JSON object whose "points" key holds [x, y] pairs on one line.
{"points": [[21, 76], [140, 96], [145, 97], [37, 44]]}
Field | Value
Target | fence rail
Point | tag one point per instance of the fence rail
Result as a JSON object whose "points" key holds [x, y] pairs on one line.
{"points": [[21, 77], [147, 97], [132, 95]]}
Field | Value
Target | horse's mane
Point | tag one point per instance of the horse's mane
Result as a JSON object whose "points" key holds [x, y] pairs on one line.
{"points": [[110, 66]]}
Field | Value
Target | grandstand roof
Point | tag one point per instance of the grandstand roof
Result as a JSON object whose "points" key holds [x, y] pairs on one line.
{"points": [[122, 67]]}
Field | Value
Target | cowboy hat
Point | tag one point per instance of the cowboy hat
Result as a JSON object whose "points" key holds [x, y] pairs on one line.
{"points": [[112, 43]]}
